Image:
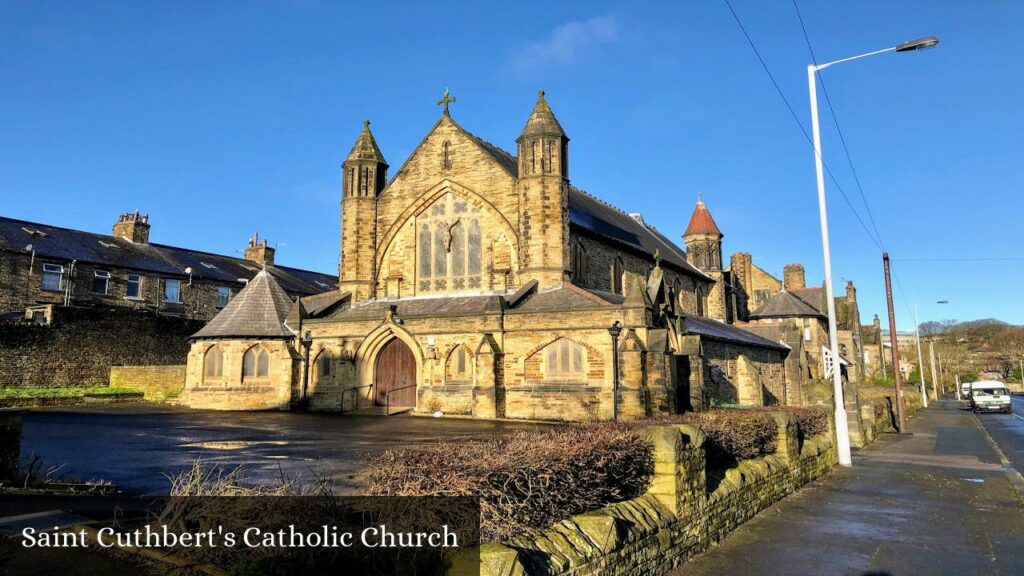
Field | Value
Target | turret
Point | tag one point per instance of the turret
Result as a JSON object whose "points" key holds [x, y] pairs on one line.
{"points": [[363, 177], [703, 242], [544, 196]]}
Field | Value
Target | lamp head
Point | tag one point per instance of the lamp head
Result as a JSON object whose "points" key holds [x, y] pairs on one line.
{"points": [[919, 44]]}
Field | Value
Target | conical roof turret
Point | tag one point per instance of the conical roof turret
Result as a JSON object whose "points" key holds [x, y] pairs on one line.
{"points": [[542, 121], [701, 222], [365, 147]]}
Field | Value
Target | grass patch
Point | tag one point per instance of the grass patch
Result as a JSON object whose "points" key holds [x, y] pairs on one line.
{"points": [[65, 392]]}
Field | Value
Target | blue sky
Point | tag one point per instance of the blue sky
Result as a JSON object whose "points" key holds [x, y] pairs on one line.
{"points": [[223, 118]]}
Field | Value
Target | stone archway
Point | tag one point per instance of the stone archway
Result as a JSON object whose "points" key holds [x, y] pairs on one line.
{"points": [[369, 351], [395, 373]]}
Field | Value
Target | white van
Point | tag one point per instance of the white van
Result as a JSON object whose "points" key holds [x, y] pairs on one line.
{"points": [[990, 396]]}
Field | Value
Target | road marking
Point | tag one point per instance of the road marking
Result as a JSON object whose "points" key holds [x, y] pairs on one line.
{"points": [[1015, 478]]}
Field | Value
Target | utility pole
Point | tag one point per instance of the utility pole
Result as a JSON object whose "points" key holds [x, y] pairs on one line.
{"points": [[920, 362], [900, 417], [931, 352]]}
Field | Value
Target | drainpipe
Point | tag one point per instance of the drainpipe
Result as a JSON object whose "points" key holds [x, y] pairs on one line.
{"points": [[67, 287]]}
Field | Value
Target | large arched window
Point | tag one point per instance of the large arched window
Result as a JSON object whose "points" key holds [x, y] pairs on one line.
{"points": [[213, 363], [579, 263], [256, 363], [448, 246], [616, 275], [565, 360]]}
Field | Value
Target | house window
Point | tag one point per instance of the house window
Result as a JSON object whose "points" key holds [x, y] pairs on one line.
{"points": [[325, 364], [53, 277], [100, 282], [223, 295], [213, 363], [565, 360], [172, 291], [256, 363], [616, 279], [133, 289], [448, 247], [458, 364], [761, 295], [579, 263]]}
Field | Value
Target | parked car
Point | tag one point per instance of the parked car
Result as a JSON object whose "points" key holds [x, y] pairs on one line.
{"points": [[990, 396], [965, 390]]}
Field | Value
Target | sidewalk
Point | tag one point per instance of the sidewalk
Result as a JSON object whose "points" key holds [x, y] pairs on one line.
{"points": [[934, 502]]}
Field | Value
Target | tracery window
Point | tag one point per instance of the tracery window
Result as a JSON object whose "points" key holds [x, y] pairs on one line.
{"points": [[213, 363], [448, 247], [256, 363], [565, 360]]}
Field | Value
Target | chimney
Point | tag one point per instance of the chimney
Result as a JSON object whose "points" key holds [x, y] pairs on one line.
{"points": [[259, 252], [793, 276], [133, 227], [851, 292]]}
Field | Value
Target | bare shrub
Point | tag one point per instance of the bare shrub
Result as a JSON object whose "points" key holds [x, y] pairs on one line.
{"points": [[524, 480]]}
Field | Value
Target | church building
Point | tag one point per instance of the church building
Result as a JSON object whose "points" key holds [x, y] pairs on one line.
{"points": [[474, 281]]}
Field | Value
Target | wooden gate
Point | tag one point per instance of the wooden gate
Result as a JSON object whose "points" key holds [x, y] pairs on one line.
{"points": [[395, 370]]}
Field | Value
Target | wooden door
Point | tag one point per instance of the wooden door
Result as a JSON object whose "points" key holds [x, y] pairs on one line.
{"points": [[396, 368]]}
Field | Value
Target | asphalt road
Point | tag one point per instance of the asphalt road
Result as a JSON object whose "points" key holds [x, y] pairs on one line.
{"points": [[137, 446], [1008, 432]]}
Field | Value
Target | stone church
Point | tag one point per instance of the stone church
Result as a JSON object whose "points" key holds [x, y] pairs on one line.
{"points": [[479, 282]]}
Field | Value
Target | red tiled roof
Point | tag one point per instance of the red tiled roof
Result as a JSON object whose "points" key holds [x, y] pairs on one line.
{"points": [[701, 222]]}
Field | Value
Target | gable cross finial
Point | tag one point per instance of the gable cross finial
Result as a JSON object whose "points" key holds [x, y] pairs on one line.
{"points": [[445, 100], [657, 258]]}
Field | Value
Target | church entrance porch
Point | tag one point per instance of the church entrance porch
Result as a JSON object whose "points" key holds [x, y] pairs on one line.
{"points": [[395, 375]]}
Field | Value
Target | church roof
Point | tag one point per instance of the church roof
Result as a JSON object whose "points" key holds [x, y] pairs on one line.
{"points": [[542, 121], [366, 147], [65, 244], [607, 221], [785, 305], [708, 328], [258, 311], [701, 222]]}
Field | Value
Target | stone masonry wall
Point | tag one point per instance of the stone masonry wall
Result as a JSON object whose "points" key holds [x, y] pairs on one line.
{"points": [[677, 518], [732, 372], [82, 344], [158, 383]]}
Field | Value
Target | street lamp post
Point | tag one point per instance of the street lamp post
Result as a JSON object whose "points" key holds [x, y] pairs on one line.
{"points": [[920, 363], [614, 330], [842, 430]]}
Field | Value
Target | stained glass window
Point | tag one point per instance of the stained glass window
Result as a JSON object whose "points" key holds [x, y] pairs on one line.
{"points": [[565, 360], [449, 245]]}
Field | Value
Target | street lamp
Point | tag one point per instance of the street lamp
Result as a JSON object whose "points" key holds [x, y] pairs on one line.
{"points": [[842, 431], [307, 343], [920, 363], [614, 330]]}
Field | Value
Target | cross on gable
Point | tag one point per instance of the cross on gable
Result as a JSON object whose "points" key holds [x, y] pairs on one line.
{"points": [[445, 100]]}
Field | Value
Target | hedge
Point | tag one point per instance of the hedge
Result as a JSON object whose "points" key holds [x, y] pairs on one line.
{"points": [[733, 434], [524, 480]]}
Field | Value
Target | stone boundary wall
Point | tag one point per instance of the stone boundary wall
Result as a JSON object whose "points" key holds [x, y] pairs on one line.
{"points": [[81, 345], [683, 512], [158, 383], [10, 444]]}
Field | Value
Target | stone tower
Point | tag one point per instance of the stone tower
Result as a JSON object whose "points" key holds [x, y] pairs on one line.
{"points": [[363, 177], [703, 242], [544, 196]]}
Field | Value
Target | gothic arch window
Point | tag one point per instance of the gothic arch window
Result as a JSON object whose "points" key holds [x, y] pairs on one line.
{"points": [[446, 161], [325, 364], [213, 363], [459, 364], [565, 360], [449, 240], [580, 263], [616, 275], [256, 364]]}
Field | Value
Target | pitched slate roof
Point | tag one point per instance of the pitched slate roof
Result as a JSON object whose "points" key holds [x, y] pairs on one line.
{"points": [[366, 147], [785, 305], [258, 311], [701, 222], [65, 244], [721, 331]]}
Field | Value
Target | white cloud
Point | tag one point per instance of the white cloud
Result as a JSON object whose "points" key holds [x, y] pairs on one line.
{"points": [[566, 43]]}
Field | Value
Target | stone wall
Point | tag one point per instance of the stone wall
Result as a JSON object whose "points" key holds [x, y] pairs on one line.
{"points": [[743, 374], [10, 444], [81, 345], [233, 391], [677, 518], [158, 383]]}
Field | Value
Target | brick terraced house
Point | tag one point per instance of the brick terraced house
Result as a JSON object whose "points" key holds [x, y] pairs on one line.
{"points": [[483, 283], [43, 265]]}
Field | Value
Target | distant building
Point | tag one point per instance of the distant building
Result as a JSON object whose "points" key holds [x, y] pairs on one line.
{"points": [[44, 265]]}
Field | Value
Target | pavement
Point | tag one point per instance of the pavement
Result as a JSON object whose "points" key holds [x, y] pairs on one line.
{"points": [[137, 446], [940, 500]]}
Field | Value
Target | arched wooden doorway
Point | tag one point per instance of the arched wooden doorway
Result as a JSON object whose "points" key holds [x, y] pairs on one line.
{"points": [[395, 370]]}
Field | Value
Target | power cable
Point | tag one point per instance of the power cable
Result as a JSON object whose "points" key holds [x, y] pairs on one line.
{"points": [[796, 118]]}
